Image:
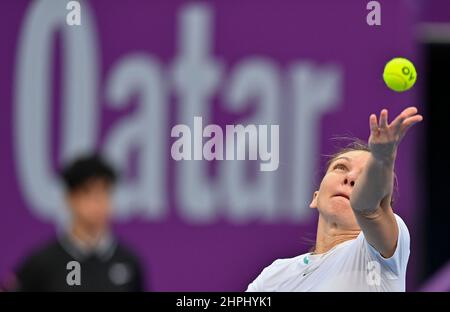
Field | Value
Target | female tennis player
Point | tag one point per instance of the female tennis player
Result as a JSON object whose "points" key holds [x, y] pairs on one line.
{"points": [[361, 245]]}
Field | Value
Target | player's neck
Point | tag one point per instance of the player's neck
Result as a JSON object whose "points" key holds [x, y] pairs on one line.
{"points": [[330, 235]]}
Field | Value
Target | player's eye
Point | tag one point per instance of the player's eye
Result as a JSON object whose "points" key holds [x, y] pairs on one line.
{"points": [[340, 167]]}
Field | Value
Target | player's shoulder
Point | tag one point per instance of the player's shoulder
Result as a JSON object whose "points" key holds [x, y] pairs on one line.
{"points": [[289, 260], [402, 227], [397, 263], [272, 273], [403, 234], [282, 263]]}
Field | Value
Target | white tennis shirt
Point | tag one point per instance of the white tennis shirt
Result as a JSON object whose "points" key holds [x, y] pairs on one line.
{"points": [[353, 265]]}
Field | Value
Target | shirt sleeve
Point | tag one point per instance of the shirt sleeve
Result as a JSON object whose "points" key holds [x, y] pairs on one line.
{"points": [[398, 262]]}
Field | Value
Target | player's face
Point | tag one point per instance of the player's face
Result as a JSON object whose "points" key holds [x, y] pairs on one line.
{"points": [[332, 198], [91, 204]]}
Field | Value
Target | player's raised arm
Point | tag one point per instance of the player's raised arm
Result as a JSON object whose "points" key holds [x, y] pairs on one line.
{"points": [[371, 196]]}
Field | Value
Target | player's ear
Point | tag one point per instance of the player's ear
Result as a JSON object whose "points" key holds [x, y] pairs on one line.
{"points": [[313, 203]]}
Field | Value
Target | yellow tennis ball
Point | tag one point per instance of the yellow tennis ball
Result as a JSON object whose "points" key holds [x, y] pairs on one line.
{"points": [[399, 74]]}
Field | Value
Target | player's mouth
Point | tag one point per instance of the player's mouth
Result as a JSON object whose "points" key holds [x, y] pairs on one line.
{"points": [[342, 195]]}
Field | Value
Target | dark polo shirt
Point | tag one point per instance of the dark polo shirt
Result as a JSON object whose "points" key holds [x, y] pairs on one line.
{"points": [[111, 266]]}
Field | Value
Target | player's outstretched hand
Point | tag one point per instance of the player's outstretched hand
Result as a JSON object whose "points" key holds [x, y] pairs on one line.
{"points": [[385, 138]]}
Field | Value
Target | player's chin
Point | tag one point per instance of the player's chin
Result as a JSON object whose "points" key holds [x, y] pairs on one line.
{"points": [[340, 208], [340, 202]]}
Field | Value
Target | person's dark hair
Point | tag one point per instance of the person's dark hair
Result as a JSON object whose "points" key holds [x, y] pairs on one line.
{"points": [[86, 168], [356, 144]]}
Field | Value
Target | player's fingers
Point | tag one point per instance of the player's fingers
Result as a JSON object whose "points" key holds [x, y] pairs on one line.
{"points": [[408, 123], [407, 112], [373, 123], [383, 118], [411, 121]]}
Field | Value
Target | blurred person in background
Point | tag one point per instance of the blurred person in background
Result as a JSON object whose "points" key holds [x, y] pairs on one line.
{"points": [[102, 263]]}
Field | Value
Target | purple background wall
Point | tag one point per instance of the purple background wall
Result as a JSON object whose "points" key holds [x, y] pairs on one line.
{"points": [[223, 255]]}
